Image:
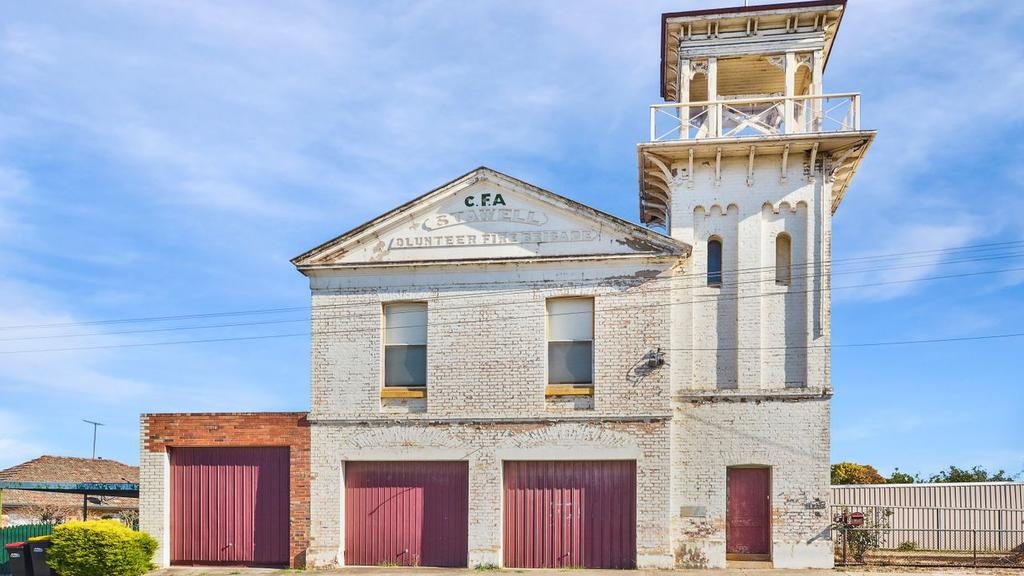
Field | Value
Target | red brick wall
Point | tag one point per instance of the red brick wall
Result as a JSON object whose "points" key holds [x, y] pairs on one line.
{"points": [[291, 429]]}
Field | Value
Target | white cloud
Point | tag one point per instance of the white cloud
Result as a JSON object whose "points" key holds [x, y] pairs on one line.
{"points": [[897, 276], [17, 440]]}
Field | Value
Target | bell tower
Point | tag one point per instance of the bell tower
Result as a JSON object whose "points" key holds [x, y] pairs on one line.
{"points": [[747, 160]]}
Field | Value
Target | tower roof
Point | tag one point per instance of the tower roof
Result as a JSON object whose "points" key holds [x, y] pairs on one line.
{"points": [[763, 21]]}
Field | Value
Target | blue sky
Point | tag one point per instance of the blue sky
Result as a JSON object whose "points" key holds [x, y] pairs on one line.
{"points": [[167, 158]]}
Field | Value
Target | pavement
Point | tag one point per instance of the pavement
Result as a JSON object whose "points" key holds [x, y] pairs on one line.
{"points": [[404, 571]]}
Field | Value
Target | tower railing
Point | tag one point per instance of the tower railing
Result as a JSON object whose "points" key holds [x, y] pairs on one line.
{"points": [[744, 117]]}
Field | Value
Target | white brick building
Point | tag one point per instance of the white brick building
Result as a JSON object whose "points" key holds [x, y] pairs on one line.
{"points": [[504, 376]]}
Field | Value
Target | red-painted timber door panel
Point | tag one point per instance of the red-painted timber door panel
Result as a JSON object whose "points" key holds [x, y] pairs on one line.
{"points": [[570, 514], [748, 511], [407, 513], [229, 506]]}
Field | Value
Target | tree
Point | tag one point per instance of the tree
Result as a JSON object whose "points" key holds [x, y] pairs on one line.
{"points": [[853, 473], [976, 474], [898, 477]]}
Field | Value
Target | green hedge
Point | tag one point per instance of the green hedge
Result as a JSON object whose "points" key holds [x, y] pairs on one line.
{"points": [[100, 548]]}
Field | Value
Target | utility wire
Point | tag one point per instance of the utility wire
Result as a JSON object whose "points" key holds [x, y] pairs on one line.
{"points": [[723, 289], [849, 345], [828, 264], [518, 317]]}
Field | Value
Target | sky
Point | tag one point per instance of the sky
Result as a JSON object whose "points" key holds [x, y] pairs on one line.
{"points": [[165, 158]]}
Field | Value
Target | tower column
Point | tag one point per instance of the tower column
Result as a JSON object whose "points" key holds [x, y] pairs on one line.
{"points": [[684, 97], [749, 290], [715, 111], [817, 69], [790, 105]]}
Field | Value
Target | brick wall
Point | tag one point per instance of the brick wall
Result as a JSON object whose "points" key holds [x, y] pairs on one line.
{"points": [[163, 431], [750, 373], [485, 447], [486, 347], [790, 437], [752, 333]]}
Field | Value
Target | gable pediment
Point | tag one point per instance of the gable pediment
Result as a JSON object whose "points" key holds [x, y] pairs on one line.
{"points": [[487, 215]]}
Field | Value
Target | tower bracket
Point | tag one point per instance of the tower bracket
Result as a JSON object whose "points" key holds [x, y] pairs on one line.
{"points": [[750, 166], [785, 163], [718, 165]]}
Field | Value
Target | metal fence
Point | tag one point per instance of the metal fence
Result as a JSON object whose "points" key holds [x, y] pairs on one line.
{"points": [[931, 526], [980, 496], [945, 547], [18, 534]]}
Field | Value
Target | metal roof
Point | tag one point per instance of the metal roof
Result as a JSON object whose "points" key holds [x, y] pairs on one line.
{"points": [[123, 489]]}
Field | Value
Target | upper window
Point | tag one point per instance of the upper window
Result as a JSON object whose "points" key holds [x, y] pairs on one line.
{"points": [[405, 344], [714, 262], [570, 340], [783, 259]]}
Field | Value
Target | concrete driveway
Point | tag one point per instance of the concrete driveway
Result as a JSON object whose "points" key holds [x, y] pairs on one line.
{"points": [[399, 571]]}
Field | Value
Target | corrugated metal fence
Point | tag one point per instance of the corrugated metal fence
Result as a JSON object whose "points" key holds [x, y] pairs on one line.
{"points": [[931, 516], [19, 534]]}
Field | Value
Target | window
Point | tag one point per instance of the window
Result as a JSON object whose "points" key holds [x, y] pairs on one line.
{"points": [[783, 259], [405, 344], [571, 341], [714, 262]]}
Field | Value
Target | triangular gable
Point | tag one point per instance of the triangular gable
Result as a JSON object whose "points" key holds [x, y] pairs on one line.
{"points": [[487, 215]]}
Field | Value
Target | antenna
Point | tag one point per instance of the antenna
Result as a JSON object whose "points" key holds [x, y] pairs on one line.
{"points": [[95, 426]]}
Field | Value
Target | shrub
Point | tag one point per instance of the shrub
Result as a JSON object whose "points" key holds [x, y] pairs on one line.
{"points": [[907, 546], [100, 548]]}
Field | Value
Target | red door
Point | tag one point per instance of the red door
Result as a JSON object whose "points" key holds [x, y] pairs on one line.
{"points": [[407, 513], [748, 513], [229, 506], [570, 514]]}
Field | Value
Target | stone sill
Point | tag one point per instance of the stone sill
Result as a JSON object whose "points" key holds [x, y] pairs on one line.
{"points": [[403, 392], [568, 390], [755, 394]]}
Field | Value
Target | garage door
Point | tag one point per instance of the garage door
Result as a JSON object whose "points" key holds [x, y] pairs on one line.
{"points": [[229, 506], [406, 513], [570, 514]]}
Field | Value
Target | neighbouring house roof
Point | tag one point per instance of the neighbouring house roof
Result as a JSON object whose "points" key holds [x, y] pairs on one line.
{"points": [[61, 481]]}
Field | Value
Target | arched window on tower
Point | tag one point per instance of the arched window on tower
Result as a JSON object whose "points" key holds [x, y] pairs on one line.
{"points": [[714, 261], [783, 259]]}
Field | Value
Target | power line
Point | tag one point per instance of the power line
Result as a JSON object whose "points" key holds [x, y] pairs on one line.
{"points": [[822, 346], [485, 320], [892, 255], [507, 303], [859, 344], [826, 263]]}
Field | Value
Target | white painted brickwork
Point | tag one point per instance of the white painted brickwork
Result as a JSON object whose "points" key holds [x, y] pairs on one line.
{"points": [[745, 382], [742, 325], [755, 388], [154, 495], [486, 348], [746, 391], [485, 447], [739, 386], [791, 437]]}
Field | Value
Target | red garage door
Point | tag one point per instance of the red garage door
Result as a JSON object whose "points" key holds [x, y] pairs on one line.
{"points": [[407, 513], [229, 506], [570, 514]]}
